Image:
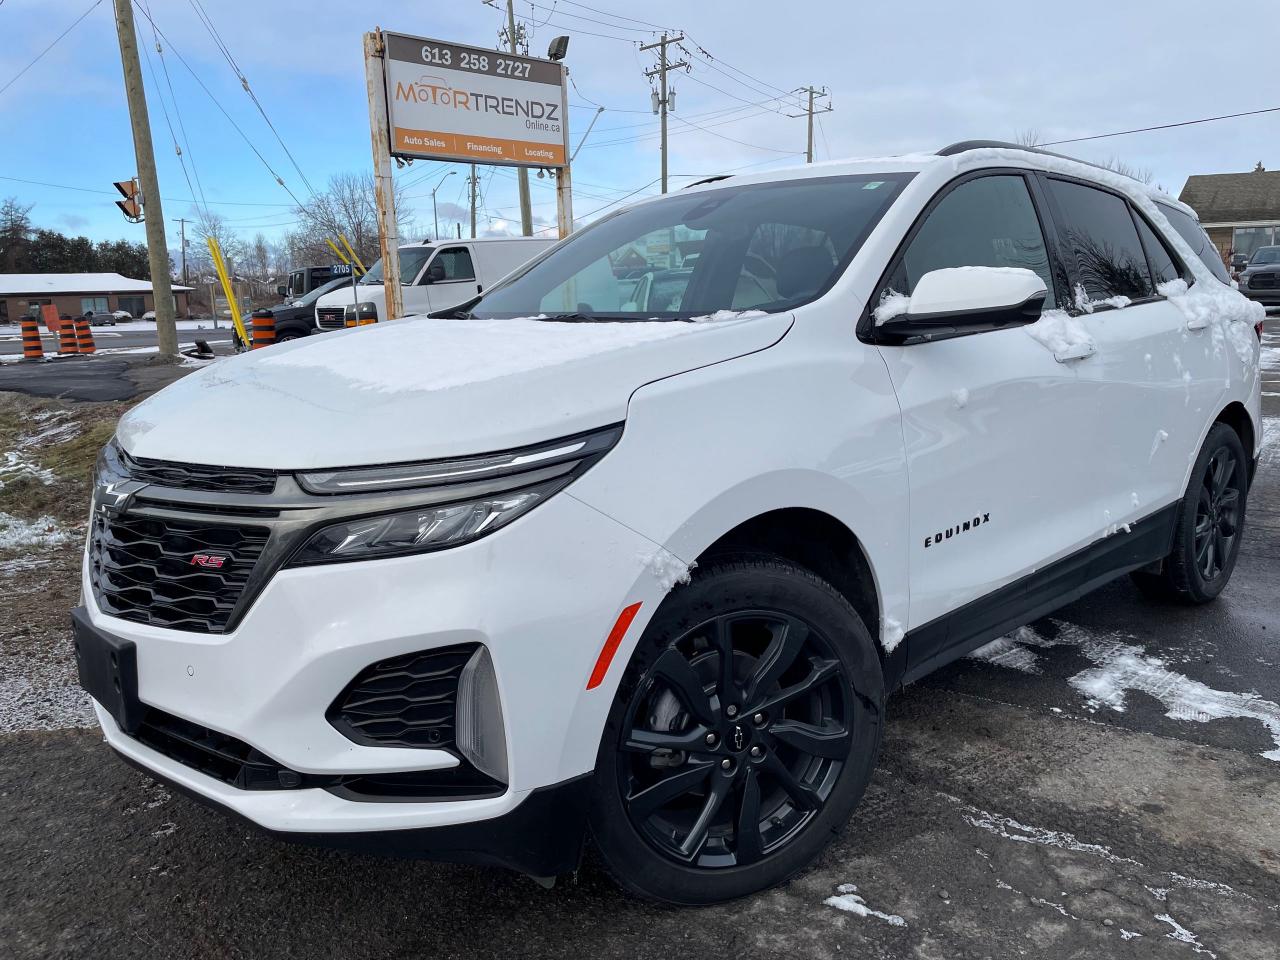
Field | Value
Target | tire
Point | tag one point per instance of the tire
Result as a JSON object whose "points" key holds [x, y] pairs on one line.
{"points": [[289, 333], [806, 677], [1209, 525]]}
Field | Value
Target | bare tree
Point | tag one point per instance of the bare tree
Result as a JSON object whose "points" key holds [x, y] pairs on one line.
{"points": [[210, 224], [1029, 137], [260, 256], [347, 207], [1125, 169]]}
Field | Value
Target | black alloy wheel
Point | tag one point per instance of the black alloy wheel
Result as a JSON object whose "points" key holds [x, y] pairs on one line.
{"points": [[1218, 512], [741, 737], [735, 738]]}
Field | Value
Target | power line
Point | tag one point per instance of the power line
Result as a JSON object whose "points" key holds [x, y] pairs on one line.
{"points": [[754, 146], [616, 16], [177, 109], [39, 56], [578, 16], [244, 82], [216, 103], [112, 193], [1162, 126]]}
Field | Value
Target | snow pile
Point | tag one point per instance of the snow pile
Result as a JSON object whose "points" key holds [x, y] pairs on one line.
{"points": [[849, 901], [1232, 314], [1062, 335], [18, 462], [427, 354], [892, 304], [892, 634], [1120, 667], [17, 534], [961, 398], [667, 569], [1086, 305], [722, 315]]}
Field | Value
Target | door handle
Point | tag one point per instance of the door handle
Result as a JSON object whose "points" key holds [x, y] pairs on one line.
{"points": [[479, 288], [1077, 351]]}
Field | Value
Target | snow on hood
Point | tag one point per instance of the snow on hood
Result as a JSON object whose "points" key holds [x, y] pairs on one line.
{"points": [[420, 389]]}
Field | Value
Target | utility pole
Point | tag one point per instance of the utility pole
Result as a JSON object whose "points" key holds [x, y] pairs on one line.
{"points": [[157, 248], [812, 92], [522, 175], [664, 100], [183, 228], [473, 189]]}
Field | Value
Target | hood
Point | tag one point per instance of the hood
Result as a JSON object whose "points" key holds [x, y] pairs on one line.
{"points": [[422, 389]]}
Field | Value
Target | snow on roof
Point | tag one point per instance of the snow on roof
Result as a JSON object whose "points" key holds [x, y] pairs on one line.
{"points": [[12, 284]]}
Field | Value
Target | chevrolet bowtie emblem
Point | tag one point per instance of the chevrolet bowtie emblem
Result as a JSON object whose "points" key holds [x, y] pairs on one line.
{"points": [[113, 498]]}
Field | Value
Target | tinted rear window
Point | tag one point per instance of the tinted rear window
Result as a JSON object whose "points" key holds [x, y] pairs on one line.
{"points": [[1197, 240], [1098, 230]]}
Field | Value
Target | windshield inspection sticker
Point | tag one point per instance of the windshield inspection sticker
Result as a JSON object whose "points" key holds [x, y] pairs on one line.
{"points": [[873, 185]]}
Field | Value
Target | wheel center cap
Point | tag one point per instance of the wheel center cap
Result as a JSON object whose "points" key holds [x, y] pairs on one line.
{"points": [[738, 738]]}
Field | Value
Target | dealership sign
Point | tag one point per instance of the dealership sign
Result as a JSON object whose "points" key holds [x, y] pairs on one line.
{"points": [[450, 102]]}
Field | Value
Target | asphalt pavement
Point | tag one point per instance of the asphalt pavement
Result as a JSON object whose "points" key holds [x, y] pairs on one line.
{"points": [[1103, 783]]}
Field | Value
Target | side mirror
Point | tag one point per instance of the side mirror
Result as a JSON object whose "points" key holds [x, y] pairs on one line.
{"points": [[282, 291], [958, 300]]}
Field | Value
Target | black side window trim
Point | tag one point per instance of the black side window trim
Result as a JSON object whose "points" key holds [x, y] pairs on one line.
{"points": [[1134, 213], [865, 328]]}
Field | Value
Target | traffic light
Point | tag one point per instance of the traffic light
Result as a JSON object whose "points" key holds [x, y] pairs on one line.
{"points": [[131, 205]]}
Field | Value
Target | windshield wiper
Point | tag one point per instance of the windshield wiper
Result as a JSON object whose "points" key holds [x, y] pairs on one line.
{"points": [[571, 318]]}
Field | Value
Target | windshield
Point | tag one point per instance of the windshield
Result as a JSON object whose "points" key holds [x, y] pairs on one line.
{"points": [[411, 261], [1267, 255], [768, 246], [319, 292]]}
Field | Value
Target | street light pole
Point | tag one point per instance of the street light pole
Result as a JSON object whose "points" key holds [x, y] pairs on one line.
{"points": [[435, 216]]}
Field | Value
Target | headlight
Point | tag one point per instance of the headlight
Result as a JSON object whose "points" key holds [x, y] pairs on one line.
{"points": [[570, 450], [360, 313], [458, 500], [417, 531]]}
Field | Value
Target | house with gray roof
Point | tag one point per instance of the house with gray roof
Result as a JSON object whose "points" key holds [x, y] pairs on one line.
{"points": [[1241, 211]]}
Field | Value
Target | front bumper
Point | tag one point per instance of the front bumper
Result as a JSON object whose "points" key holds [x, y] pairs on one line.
{"points": [[541, 595]]}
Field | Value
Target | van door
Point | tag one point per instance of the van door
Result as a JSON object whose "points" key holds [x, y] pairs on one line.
{"points": [[996, 428], [452, 277], [1150, 372]]}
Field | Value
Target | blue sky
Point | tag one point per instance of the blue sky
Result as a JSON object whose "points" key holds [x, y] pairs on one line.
{"points": [[899, 81]]}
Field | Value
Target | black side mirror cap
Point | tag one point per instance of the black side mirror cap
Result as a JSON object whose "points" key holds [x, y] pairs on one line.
{"points": [[933, 326]]}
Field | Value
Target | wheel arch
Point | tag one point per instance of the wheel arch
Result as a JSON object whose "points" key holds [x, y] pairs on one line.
{"points": [[818, 542], [1236, 416]]}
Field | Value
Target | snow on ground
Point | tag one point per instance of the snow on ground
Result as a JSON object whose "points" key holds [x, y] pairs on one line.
{"points": [[42, 694], [1120, 668], [1270, 454], [847, 899], [50, 428], [667, 568], [19, 534], [1183, 935]]}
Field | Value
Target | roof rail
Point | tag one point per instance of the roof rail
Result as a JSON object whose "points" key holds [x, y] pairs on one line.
{"points": [[716, 179], [965, 145]]}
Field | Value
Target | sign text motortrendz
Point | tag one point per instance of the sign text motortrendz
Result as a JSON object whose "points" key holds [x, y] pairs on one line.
{"points": [[450, 102]]}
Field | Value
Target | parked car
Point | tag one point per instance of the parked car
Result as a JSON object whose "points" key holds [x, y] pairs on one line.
{"points": [[297, 318], [549, 566], [149, 315], [1260, 280], [434, 275], [101, 319]]}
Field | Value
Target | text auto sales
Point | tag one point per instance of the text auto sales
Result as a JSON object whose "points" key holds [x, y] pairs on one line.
{"points": [[538, 114]]}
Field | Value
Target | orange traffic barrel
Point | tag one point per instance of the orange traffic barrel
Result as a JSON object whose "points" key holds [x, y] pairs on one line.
{"points": [[84, 336], [264, 329], [31, 348], [66, 336]]}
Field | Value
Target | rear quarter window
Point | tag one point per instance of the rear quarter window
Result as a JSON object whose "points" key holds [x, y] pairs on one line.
{"points": [[1197, 240]]}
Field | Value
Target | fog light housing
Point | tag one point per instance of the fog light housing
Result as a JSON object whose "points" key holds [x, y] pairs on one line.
{"points": [[481, 736]]}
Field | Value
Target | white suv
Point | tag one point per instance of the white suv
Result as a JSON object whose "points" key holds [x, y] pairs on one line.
{"points": [[552, 568]]}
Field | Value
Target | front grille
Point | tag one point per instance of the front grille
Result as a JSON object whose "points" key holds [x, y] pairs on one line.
{"points": [[331, 318], [406, 701], [235, 762], [141, 568], [1263, 281], [191, 476]]}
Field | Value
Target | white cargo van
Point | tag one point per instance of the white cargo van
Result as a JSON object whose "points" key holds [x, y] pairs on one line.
{"points": [[434, 275]]}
